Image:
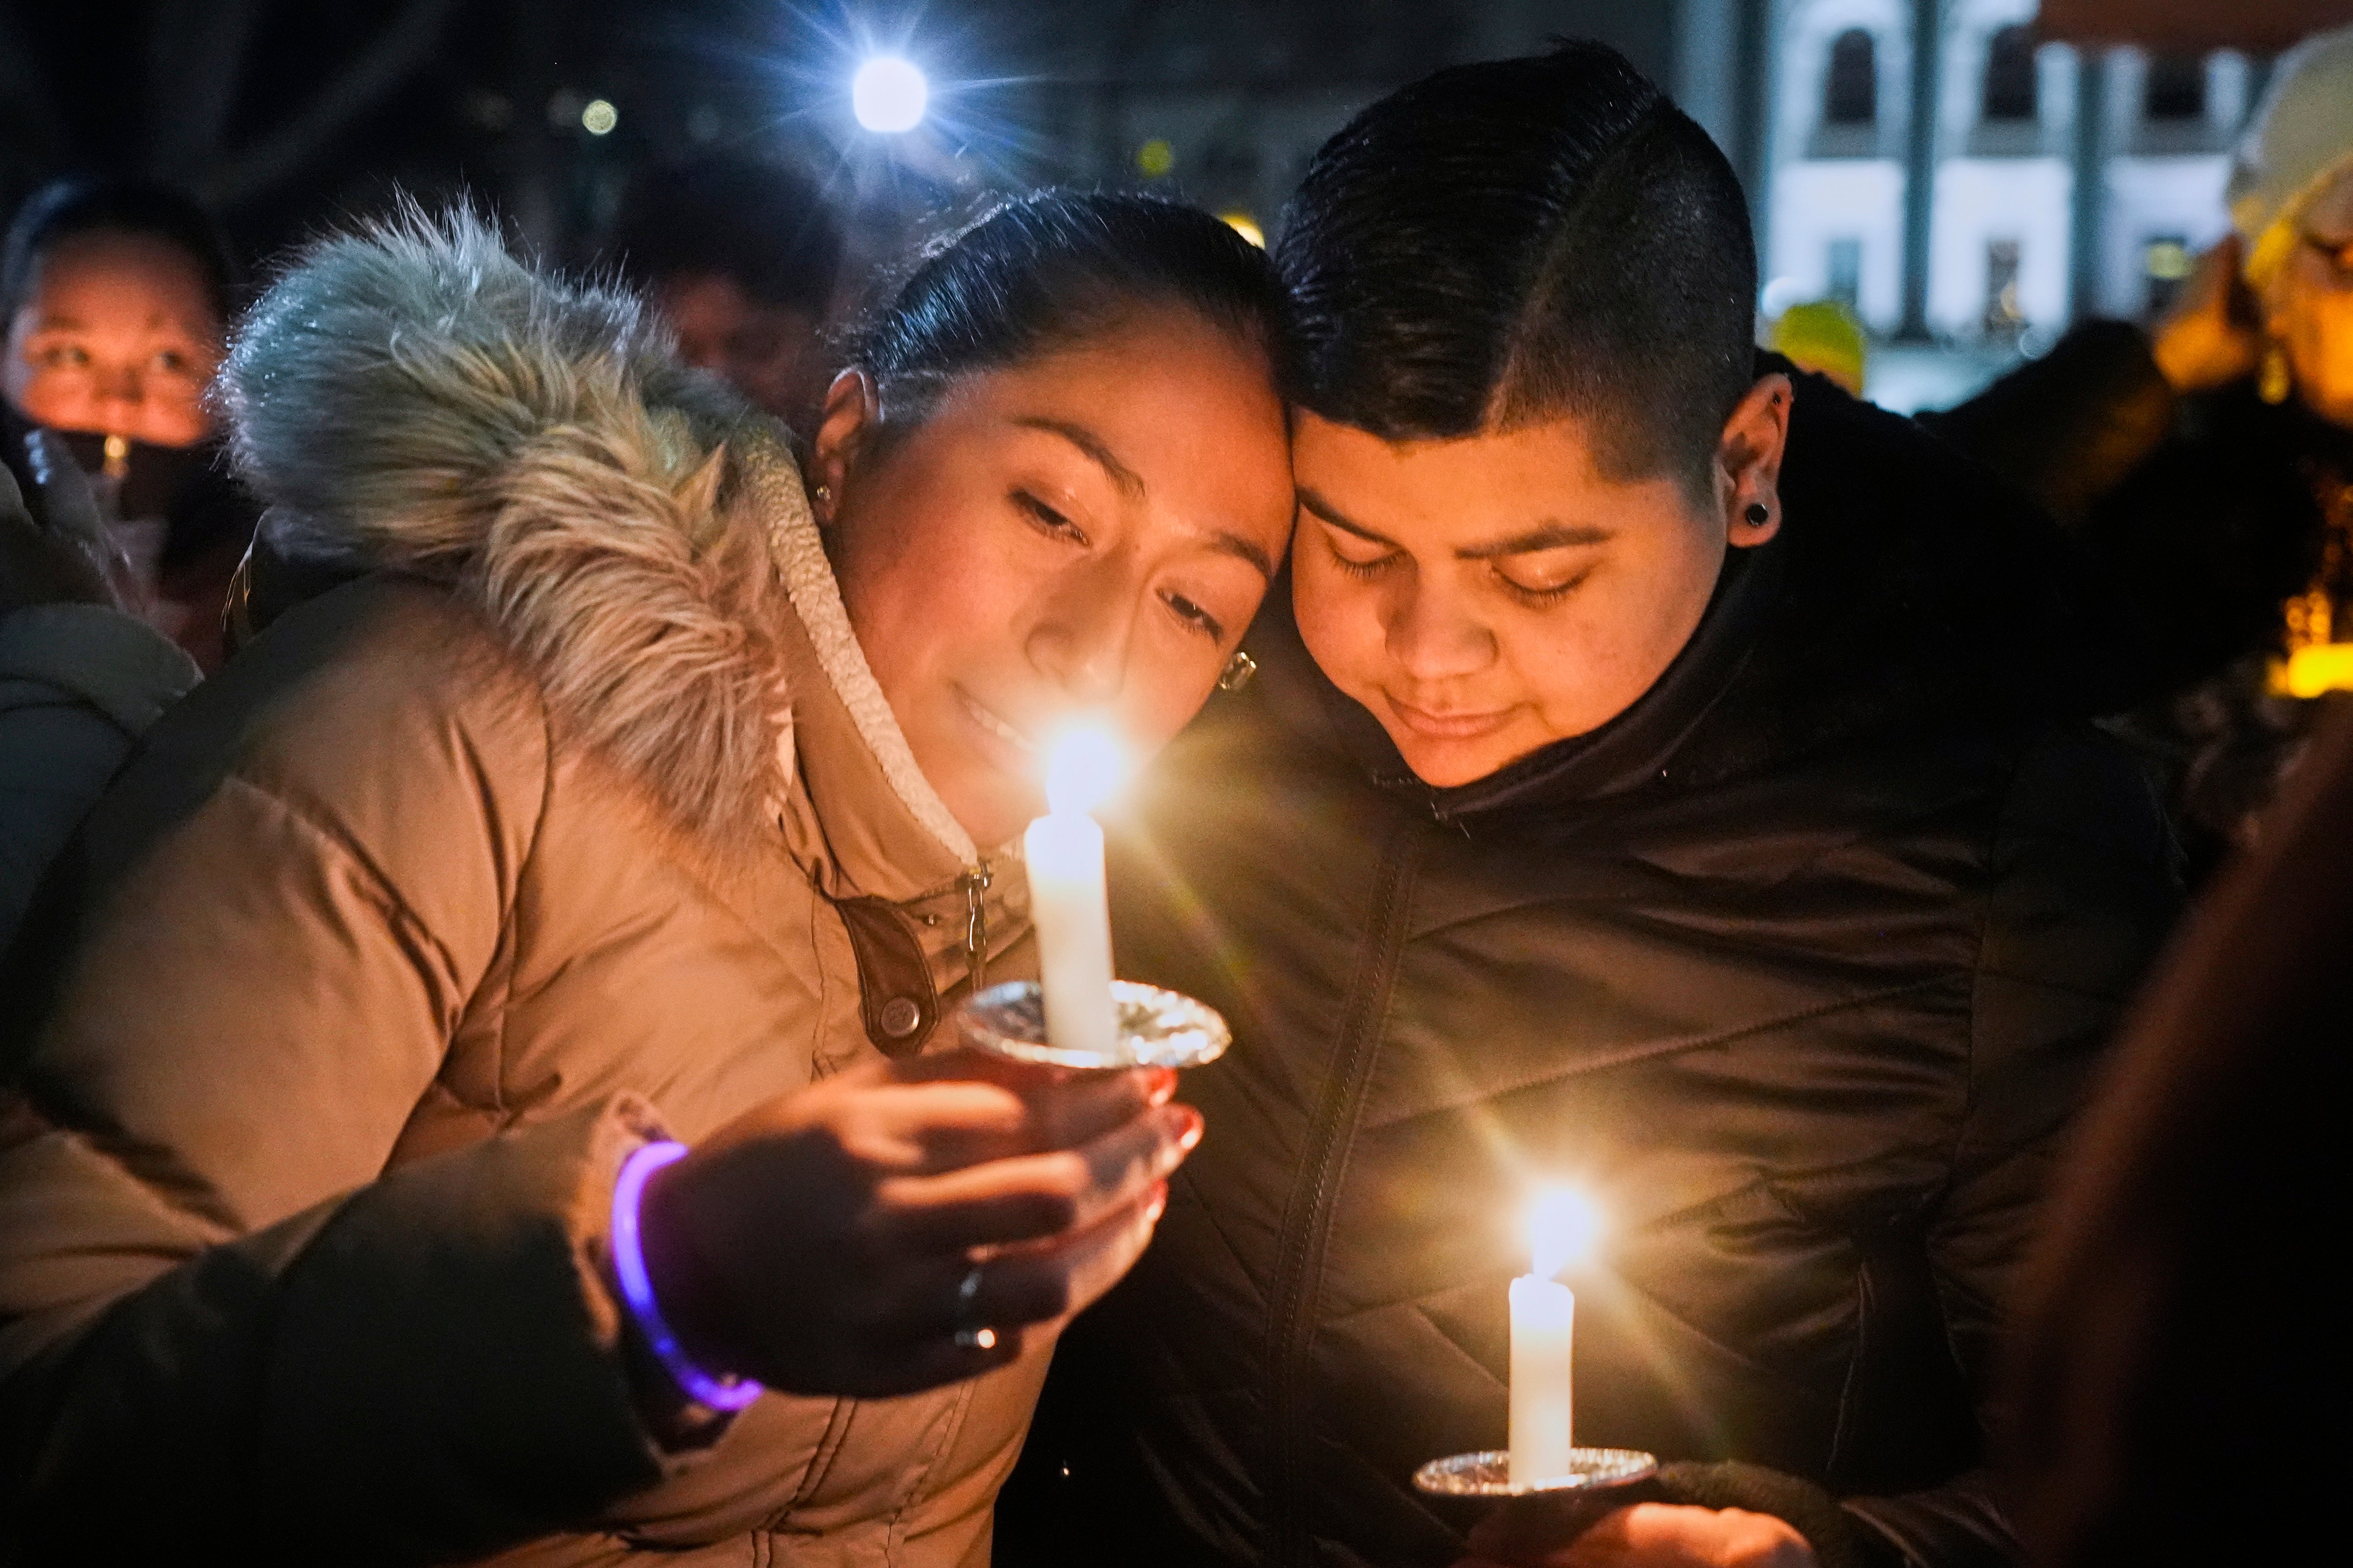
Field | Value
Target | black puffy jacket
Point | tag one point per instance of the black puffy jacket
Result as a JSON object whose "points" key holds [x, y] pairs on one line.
{"points": [[1796, 967]]}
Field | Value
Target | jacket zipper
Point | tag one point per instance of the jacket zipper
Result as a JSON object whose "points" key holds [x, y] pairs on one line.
{"points": [[1307, 1219], [975, 883]]}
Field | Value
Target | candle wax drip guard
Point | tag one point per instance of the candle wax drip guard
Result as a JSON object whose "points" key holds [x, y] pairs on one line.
{"points": [[1488, 1474], [1156, 1028]]}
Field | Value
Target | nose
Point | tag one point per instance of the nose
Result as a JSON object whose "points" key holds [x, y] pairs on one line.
{"points": [[1081, 641], [119, 384], [1432, 636]]}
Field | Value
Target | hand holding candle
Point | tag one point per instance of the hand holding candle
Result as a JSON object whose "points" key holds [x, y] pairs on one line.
{"points": [[1064, 850], [1561, 1228]]}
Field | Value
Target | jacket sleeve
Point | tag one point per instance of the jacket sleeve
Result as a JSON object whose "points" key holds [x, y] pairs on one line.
{"points": [[2067, 428], [220, 1319], [79, 685], [2082, 892]]}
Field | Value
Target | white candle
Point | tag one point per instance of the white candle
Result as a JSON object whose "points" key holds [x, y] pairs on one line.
{"points": [[1064, 852], [1543, 1320]]}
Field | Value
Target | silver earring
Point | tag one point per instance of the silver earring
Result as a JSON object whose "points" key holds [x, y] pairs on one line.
{"points": [[1237, 672], [824, 493]]}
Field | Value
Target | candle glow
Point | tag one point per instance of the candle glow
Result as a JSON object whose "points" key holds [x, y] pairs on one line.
{"points": [[1068, 901], [1561, 1228]]}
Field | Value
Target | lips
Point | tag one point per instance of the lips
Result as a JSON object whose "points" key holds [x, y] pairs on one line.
{"points": [[1450, 726], [992, 724]]}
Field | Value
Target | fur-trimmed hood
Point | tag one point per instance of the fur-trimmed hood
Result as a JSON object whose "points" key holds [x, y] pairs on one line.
{"points": [[413, 397]]}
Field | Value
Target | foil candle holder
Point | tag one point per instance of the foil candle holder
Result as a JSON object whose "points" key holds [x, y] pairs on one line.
{"points": [[1151, 1028], [1488, 1474]]}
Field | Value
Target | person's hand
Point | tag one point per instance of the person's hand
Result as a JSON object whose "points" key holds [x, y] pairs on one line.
{"points": [[1655, 1535], [837, 1239], [2209, 337], [52, 548]]}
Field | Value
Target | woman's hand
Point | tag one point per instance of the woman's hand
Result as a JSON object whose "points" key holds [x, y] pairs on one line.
{"points": [[837, 1240], [2209, 337], [1664, 1535]]}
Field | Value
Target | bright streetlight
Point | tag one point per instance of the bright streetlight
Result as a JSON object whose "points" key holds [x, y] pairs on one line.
{"points": [[889, 94]]}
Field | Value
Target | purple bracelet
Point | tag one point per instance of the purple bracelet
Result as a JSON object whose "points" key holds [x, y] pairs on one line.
{"points": [[637, 1288]]}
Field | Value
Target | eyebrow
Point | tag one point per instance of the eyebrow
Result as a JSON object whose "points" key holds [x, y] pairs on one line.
{"points": [[1087, 441], [1222, 541], [1547, 536]]}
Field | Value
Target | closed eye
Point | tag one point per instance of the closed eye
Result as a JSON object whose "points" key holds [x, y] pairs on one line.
{"points": [[1193, 615], [1351, 565], [1550, 593], [1047, 519]]}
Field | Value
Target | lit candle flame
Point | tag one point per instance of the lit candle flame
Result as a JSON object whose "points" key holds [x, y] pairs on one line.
{"points": [[1562, 1227], [1084, 765]]}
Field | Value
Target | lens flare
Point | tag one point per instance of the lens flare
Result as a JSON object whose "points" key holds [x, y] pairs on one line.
{"points": [[1085, 765], [1562, 1228], [888, 95]]}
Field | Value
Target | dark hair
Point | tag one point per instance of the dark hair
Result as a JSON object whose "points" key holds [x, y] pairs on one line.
{"points": [[765, 226], [1510, 241], [1045, 270], [148, 208]]}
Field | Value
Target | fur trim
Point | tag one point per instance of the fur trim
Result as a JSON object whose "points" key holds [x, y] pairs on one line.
{"points": [[817, 599], [413, 397]]}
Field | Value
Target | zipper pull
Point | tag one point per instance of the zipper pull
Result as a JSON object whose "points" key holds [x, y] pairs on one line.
{"points": [[975, 883]]}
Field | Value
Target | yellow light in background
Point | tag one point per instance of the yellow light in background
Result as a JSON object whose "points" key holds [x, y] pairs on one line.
{"points": [[1155, 158], [2169, 260], [1242, 223], [1562, 1227], [599, 117]]}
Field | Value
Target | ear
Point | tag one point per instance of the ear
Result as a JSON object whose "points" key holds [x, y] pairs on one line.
{"points": [[852, 413], [1748, 462]]}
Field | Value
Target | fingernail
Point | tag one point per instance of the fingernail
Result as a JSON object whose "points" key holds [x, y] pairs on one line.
{"points": [[1193, 1126], [1163, 1085]]}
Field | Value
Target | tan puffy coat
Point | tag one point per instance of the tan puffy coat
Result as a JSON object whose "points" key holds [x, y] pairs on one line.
{"points": [[462, 880]]}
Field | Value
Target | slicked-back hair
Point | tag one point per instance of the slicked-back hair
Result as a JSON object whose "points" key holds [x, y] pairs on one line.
{"points": [[1042, 271], [1509, 242]]}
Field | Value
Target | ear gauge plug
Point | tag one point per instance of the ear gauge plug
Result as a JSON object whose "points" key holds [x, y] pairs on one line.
{"points": [[1756, 514]]}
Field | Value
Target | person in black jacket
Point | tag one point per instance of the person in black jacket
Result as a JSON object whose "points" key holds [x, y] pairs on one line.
{"points": [[2210, 463], [1667, 774]]}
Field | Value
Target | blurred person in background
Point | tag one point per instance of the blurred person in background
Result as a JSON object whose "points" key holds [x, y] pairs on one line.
{"points": [[79, 679], [742, 257], [625, 802], [118, 295], [1825, 337], [2168, 1324], [2210, 463]]}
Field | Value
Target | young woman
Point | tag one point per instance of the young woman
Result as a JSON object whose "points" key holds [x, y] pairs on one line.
{"points": [[622, 794], [117, 296]]}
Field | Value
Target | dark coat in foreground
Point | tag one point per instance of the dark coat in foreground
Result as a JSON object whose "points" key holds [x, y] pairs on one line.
{"points": [[1797, 967]]}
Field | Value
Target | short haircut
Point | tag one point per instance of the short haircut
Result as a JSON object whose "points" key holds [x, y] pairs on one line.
{"points": [[765, 226], [1501, 242], [1043, 271], [66, 208]]}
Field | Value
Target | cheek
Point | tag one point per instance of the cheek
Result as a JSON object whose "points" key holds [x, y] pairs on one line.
{"points": [[1339, 618]]}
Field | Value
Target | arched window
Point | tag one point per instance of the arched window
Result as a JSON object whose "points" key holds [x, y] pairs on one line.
{"points": [[2010, 75], [1851, 93]]}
